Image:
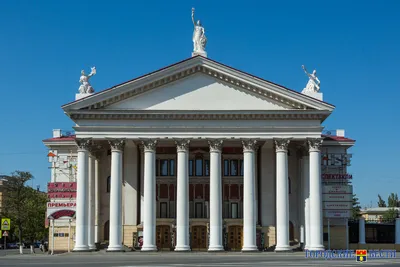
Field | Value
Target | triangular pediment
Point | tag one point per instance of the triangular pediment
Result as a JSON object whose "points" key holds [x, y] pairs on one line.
{"points": [[198, 84], [198, 92]]}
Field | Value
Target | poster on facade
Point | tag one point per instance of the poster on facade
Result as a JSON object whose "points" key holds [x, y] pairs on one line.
{"points": [[338, 205], [57, 210], [337, 197], [337, 189], [140, 239], [337, 213]]}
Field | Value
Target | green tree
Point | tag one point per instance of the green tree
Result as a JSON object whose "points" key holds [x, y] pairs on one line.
{"points": [[381, 202], [24, 206], [355, 212], [393, 200], [34, 228], [390, 215]]}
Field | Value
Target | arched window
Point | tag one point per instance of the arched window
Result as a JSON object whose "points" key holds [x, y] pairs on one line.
{"points": [[289, 185], [108, 184]]}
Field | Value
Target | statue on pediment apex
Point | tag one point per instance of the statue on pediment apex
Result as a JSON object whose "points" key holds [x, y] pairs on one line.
{"points": [[199, 37], [85, 87], [313, 84]]}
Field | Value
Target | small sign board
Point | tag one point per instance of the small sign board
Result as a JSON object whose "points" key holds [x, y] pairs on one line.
{"points": [[5, 224], [5, 234], [337, 213]]}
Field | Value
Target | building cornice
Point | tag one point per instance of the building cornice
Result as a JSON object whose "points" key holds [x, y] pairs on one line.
{"points": [[198, 115]]}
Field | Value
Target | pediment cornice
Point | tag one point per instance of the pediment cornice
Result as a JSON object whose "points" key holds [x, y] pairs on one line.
{"points": [[225, 74], [198, 115]]}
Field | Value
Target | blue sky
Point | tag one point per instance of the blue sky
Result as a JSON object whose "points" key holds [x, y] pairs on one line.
{"points": [[354, 45]]}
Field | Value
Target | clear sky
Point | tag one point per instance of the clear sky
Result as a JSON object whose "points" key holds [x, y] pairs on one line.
{"points": [[354, 45]]}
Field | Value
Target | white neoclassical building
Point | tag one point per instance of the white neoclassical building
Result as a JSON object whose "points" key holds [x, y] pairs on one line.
{"points": [[196, 156]]}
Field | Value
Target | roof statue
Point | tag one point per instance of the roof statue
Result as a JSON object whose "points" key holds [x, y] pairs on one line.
{"points": [[313, 82], [313, 86], [85, 87], [199, 38]]}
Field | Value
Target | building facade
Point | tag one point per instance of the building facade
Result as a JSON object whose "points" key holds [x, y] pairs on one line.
{"points": [[195, 156]]}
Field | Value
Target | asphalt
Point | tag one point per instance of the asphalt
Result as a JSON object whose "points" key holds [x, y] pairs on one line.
{"points": [[175, 259]]}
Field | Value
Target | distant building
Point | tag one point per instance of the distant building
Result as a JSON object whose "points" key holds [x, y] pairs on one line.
{"points": [[376, 213]]}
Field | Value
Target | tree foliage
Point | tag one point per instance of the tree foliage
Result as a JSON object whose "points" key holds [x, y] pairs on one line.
{"points": [[393, 200], [25, 207], [390, 215], [355, 212], [381, 202]]}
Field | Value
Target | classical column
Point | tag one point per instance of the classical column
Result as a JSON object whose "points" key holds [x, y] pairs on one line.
{"points": [[361, 231], [216, 243], [316, 230], [81, 235], [282, 196], [91, 203], [96, 201], [182, 204], [306, 190], [249, 197], [149, 212], [115, 242]]}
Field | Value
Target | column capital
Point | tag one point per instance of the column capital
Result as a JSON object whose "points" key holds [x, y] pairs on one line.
{"points": [[83, 143], [117, 144], [149, 145], [314, 144], [249, 145], [281, 144], [182, 145], [215, 145]]}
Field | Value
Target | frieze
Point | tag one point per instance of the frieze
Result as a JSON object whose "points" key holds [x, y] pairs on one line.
{"points": [[196, 69], [178, 116]]}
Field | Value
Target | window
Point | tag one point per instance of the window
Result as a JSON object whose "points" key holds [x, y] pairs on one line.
{"points": [[108, 184], [157, 167], [234, 167], [171, 167], [226, 167], [234, 210], [207, 167], [163, 210], [190, 167], [241, 168], [199, 210], [199, 167], [164, 167]]}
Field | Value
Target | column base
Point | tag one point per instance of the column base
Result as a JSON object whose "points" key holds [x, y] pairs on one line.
{"points": [[149, 249], [115, 249], [316, 248], [81, 249], [92, 247], [182, 249], [216, 249], [286, 248], [250, 249]]}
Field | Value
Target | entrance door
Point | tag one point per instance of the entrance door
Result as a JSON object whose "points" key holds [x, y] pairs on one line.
{"points": [[163, 237], [235, 237], [199, 237]]}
